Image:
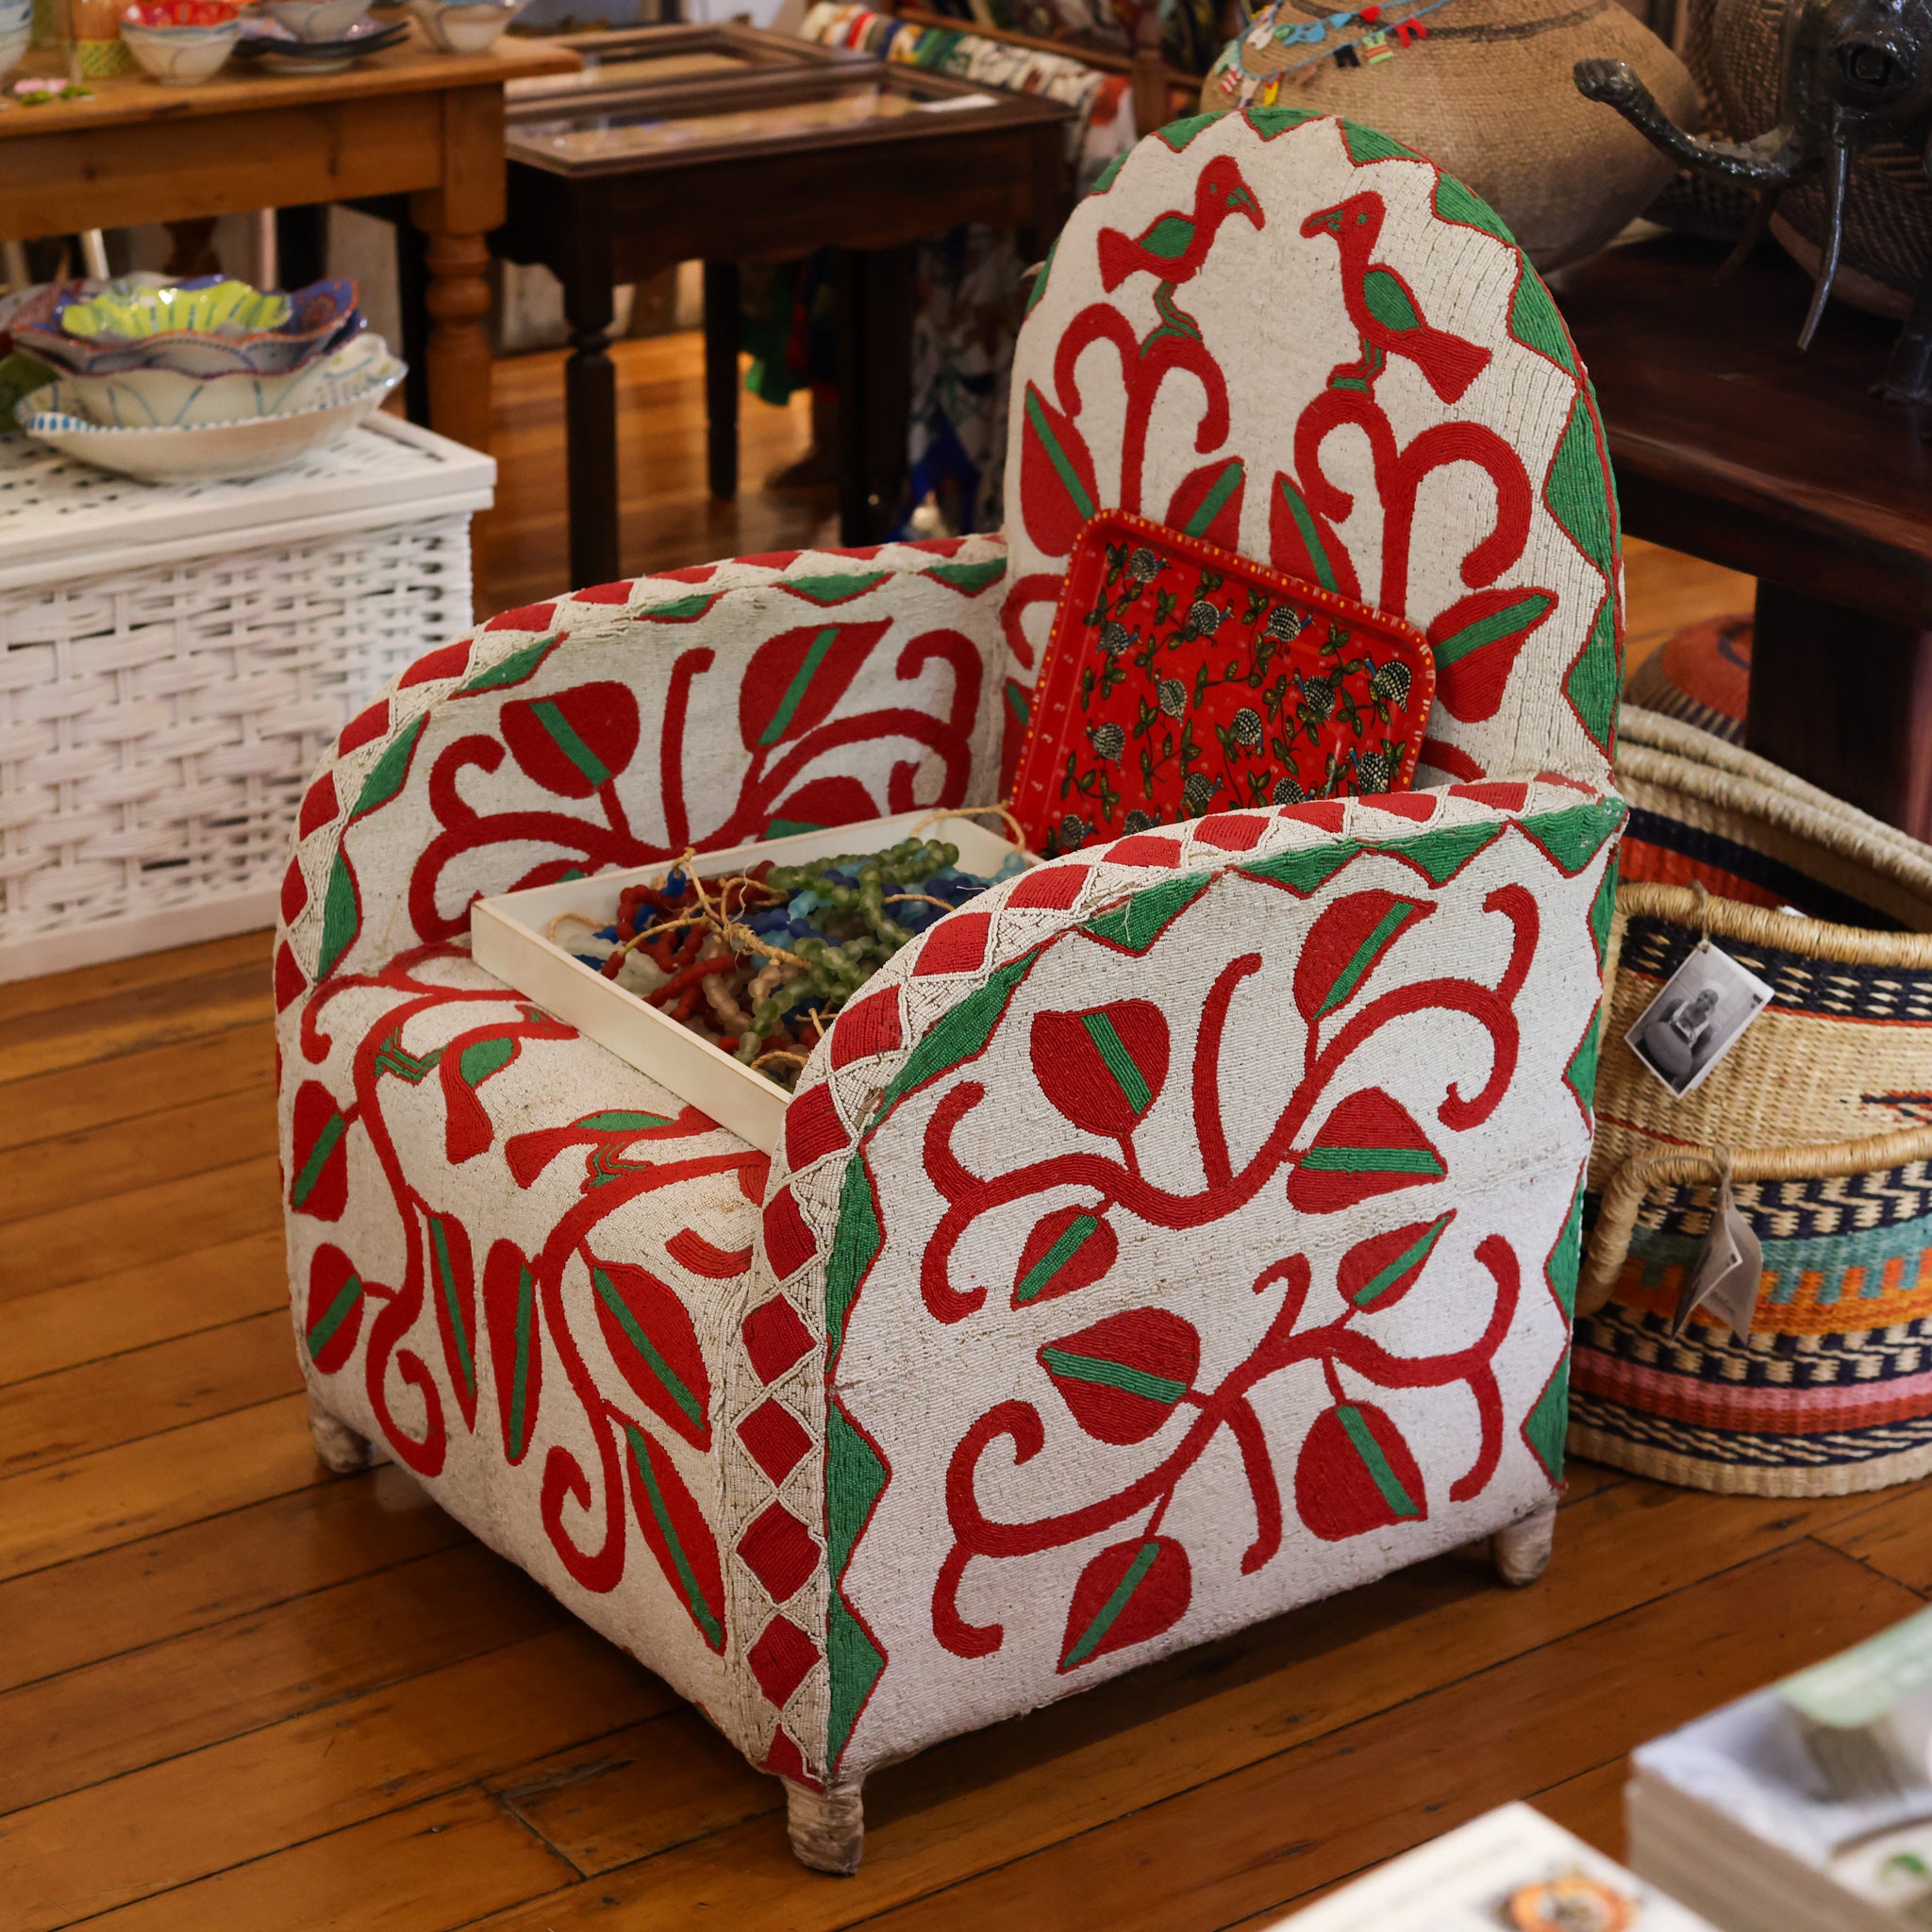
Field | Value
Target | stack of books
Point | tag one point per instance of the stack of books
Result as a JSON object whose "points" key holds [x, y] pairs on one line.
{"points": [[1510, 1871], [1804, 1808]]}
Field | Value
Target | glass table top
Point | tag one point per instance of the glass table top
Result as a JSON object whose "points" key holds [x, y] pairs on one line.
{"points": [[628, 58], [607, 130]]}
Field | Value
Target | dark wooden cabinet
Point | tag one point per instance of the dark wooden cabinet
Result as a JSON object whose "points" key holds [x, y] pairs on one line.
{"points": [[1730, 444]]}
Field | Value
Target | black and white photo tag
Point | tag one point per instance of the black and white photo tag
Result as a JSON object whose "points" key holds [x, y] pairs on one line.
{"points": [[1697, 1017], [1722, 1282]]}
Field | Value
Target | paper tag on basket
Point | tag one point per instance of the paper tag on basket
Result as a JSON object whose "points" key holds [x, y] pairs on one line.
{"points": [[1722, 1281], [1700, 1014]]}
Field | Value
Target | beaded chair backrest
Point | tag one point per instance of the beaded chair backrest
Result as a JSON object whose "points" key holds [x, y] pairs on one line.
{"points": [[1294, 337]]}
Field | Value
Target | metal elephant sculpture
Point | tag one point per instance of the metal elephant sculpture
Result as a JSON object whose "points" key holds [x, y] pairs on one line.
{"points": [[1852, 72]]}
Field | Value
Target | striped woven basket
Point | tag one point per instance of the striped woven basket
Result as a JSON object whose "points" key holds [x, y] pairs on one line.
{"points": [[1824, 1107]]}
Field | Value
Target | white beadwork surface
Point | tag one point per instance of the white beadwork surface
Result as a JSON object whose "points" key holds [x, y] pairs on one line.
{"points": [[175, 659]]}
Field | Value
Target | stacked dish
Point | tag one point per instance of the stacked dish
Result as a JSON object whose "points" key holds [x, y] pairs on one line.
{"points": [[169, 381], [315, 36]]}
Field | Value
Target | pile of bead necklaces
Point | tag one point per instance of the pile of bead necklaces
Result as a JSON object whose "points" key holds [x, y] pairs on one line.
{"points": [[758, 961]]}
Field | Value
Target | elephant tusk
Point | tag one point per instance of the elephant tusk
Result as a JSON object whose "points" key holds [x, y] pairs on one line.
{"points": [[1837, 170]]}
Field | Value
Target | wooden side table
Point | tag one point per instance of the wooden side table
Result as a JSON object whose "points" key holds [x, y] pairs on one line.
{"points": [[865, 156], [1732, 445], [409, 121]]}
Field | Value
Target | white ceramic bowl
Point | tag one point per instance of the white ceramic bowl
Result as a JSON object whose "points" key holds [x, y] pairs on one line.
{"points": [[13, 44], [465, 26], [181, 56], [166, 399], [318, 20], [51, 415]]}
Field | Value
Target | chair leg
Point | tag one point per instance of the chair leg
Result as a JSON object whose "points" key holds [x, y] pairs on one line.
{"points": [[1520, 1550], [827, 1828], [338, 1446]]}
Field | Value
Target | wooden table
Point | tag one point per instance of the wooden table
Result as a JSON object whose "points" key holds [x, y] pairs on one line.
{"points": [[409, 121], [869, 188], [1730, 444]]}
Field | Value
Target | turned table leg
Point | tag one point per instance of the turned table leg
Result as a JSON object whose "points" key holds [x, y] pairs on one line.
{"points": [[589, 407], [458, 299], [191, 247], [722, 329], [874, 295]]}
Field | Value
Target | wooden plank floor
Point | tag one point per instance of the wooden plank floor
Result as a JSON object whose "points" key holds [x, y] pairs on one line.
{"points": [[238, 1694]]}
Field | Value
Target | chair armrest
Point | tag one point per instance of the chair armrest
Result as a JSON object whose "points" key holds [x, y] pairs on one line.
{"points": [[625, 722], [1115, 1180]]}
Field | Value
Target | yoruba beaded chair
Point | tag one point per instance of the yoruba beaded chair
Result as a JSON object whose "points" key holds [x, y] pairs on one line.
{"points": [[1185, 1230]]}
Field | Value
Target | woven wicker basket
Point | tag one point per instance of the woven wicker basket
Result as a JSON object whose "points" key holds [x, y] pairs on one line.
{"points": [[1485, 92], [1824, 1109], [174, 657]]}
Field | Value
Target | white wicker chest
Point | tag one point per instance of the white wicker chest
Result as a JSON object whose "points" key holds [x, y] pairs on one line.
{"points": [[175, 658]]}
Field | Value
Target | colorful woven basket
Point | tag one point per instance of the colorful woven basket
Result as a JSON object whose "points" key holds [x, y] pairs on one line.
{"points": [[1823, 1108], [1701, 675]]}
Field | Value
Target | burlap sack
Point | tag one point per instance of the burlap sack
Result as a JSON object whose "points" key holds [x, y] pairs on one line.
{"points": [[1732, 49], [1487, 94]]}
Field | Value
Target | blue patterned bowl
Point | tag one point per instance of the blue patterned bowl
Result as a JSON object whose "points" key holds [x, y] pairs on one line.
{"points": [[208, 305], [322, 318], [165, 399]]}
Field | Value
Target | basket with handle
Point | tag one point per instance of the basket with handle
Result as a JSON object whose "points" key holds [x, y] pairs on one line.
{"points": [[1822, 1109]]}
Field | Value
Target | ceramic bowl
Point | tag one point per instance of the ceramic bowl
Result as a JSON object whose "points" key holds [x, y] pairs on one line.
{"points": [[181, 56], [321, 317], [165, 399], [33, 306], [318, 20], [207, 306], [247, 448], [465, 26]]}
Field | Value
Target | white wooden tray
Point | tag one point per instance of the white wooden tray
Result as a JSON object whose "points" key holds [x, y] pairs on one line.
{"points": [[508, 937]]}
